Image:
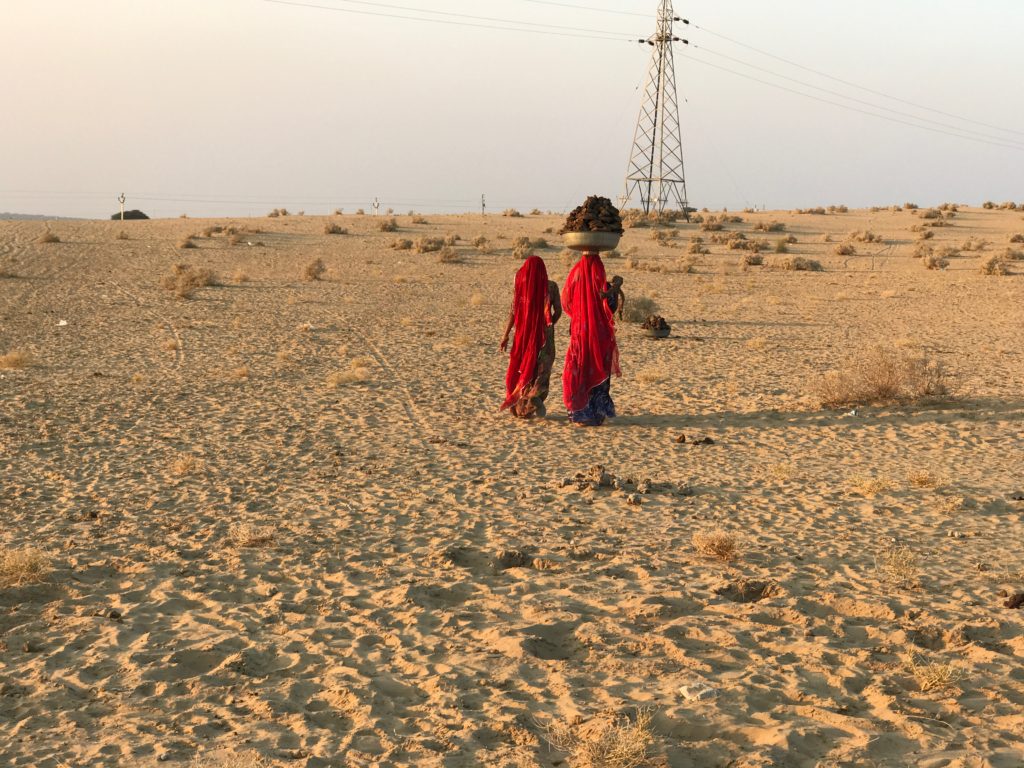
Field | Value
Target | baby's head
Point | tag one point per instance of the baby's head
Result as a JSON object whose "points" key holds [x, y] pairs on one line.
{"points": [[616, 281]]}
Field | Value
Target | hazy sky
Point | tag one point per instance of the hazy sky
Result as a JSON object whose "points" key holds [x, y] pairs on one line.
{"points": [[218, 107]]}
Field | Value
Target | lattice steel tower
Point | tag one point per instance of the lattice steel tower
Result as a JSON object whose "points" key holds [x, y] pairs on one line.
{"points": [[656, 162]]}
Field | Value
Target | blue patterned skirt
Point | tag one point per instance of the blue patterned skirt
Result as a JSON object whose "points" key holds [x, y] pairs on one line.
{"points": [[599, 407]]}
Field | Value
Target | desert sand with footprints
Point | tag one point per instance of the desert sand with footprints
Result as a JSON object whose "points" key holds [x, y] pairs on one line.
{"points": [[258, 512]]}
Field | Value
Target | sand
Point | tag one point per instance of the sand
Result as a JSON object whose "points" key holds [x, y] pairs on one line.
{"points": [[288, 525]]}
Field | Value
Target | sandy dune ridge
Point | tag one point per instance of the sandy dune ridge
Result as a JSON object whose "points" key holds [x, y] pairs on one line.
{"points": [[288, 524]]}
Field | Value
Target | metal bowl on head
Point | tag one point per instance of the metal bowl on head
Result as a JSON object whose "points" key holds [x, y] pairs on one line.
{"points": [[591, 241]]}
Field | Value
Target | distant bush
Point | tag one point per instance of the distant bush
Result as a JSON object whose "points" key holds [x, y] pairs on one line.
{"points": [[797, 264], [512, 212], [47, 237], [334, 229], [639, 308], [845, 249], [400, 244], [278, 212], [994, 265], [882, 376], [770, 226], [388, 225], [315, 270], [428, 244]]}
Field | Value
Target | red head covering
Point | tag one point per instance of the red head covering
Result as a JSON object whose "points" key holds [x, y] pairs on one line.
{"points": [[529, 317], [592, 355]]}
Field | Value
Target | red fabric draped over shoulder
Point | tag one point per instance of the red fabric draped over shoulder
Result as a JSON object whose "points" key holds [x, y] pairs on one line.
{"points": [[529, 318], [592, 355]]}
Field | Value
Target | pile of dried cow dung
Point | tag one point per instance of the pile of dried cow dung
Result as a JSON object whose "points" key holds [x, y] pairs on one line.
{"points": [[597, 214]]}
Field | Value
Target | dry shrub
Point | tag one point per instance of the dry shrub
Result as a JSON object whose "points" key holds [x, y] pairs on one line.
{"points": [[314, 270], [770, 226], [697, 246], [974, 244], [639, 308], [838, 209], [185, 279], [1017, 238], [448, 255], [910, 206], [663, 236], [186, 242], [934, 676], [819, 211], [278, 212], [934, 261], [923, 478], [334, 229], [512, 212], [250, 759], [1012, 254], [234, 238], [949, 207], [930, 213], [122, 235], [882, 376], [711, 224], [845, 249], [185, 464], [479, 240], [388, 225], [358, 371], [521, 250], [418, 220], [634, 217], [781, 246], [212, 230], [14, 360], [401, 244], [926, 235], [607, 741], [753, 259], [240, 373], [539, 243], [796, 264], [536, 212], [476, 300], [239, 276], [1008, 206], [870, 486], [716, 544], [994, 265], [898, 566], [21, 567], [428, 244], [451, 239], [47, 237], [864, 236], [249, 535], [757, 343]]}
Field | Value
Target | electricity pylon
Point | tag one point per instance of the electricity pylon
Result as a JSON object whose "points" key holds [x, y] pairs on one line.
{"points": [[655, 168]]}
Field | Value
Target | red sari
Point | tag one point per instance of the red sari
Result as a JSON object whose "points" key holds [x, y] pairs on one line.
{"points": [[593, 356], [530, 320]]}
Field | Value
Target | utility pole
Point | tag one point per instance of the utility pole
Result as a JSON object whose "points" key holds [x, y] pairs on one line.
{"points": [[376, 206], [655, 170], [121, 198], [483, 205]]}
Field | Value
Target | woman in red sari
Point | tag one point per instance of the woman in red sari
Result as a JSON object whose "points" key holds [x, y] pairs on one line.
{"points": [[593, 356], [535, 310]]}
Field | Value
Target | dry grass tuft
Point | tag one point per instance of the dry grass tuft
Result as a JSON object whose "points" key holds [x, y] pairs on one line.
{"points": [[936, 676], [639, 308], [754, 259], [607, 741], [249, 535], [994, 265], [864, 236], [14, 360], [716, 544], [448, 255], [122, 235], [239, 276], [428, 244], [898, 565], [884, 376], [401, 244], [845, 249], [512, 212], [315, 270], [923, 478], [185, 279], [770, 226], [358, 371], [334, 229], [757, 343], [186, 242], [171, 345], [240, 373], [251, 759], [47, 237], [417, 219], [871, 486], [932, 260], [796, 264], [476, 300], [388, 225], [21, 567]]}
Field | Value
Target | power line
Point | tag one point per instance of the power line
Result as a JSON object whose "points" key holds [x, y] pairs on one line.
{"points": [[859, 101], [614, 36], [855, 109], [855, 85]]}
